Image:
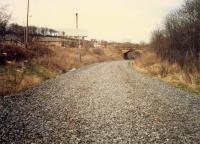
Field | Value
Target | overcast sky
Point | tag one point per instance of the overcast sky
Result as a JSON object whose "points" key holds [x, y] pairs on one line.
{"points": [[119, 20]]}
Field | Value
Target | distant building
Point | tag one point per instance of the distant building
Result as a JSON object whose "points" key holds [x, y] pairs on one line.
{"points": [[100, 44], [97, 44]]}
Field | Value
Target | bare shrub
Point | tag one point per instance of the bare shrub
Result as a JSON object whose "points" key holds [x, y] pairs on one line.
{"points": [[39, 50], [148, 58], [14, 53], [98, 51]]}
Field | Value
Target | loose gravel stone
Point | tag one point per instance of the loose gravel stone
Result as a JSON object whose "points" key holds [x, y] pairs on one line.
{"points": [[102, 103]]}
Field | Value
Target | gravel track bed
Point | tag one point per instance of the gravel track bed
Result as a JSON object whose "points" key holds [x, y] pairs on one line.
{"points": [[101, 103]]}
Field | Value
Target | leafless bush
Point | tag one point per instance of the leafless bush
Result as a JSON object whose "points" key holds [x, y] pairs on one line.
{"points": [[14, 53], [98, 51], [39, 50]]}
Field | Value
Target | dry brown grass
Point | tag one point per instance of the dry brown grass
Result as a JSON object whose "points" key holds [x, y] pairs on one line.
{"points": [[113, 53], [149, 63], [65, 59], [61, 60], [41, 62]]}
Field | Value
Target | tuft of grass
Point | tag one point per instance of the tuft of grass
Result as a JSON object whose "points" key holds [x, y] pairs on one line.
{"points": [[29, 81], [35, 69]]}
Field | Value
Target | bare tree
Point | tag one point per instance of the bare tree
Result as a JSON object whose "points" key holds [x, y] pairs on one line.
{"points": [[4, 19]]}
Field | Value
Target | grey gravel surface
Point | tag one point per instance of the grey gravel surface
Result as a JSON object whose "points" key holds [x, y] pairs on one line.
{"points": [[102, 103]]}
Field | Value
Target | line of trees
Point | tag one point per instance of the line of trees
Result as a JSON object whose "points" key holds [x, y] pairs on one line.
{"points": [[18, 30], [32, 30], [179, 41]]}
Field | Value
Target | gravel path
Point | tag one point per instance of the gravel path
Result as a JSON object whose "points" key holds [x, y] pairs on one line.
{"points": [[102, 103]]}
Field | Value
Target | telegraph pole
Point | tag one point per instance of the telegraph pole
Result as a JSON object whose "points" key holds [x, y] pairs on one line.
{"points": [[79, 45], [26, 42]]}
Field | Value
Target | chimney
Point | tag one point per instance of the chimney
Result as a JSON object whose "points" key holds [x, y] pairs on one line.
{"points": [[76, 20]]}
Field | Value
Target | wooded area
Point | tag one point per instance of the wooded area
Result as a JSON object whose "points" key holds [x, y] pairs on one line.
{"points": [[179, 41]]}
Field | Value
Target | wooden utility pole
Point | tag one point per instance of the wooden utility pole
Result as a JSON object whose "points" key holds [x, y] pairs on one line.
{"points": [[79, 45], [26, 42]]}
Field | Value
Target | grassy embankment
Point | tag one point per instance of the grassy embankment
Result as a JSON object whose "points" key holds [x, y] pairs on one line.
{"points": [[22, 68], [149, 63]]}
